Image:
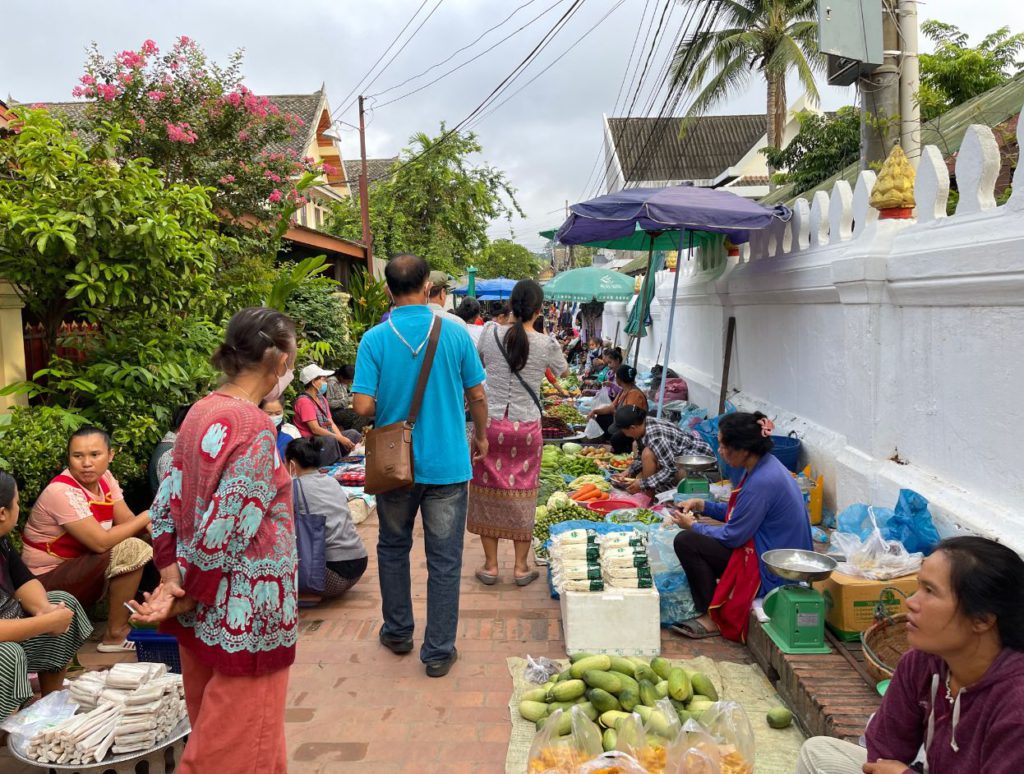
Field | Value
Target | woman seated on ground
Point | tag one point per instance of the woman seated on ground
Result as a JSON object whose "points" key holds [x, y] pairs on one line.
{"points": [[613, 359], [318, 493], [286, 432], [954, 704], [766, 511], [160, 460], [81, 535], [595, 358], [313, 416], [40, 631], [660, 442], [339, 399], [629, 395]]}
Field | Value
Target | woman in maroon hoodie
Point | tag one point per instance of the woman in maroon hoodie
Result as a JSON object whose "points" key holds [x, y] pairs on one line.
{"points": [[956, 702]]}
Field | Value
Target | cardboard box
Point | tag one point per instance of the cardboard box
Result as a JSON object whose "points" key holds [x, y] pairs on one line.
{"points": [[616, 622], [850, 601]]}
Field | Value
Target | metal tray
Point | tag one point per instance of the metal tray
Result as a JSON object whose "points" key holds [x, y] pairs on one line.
{"points": [[798, 565], [180, 731]]}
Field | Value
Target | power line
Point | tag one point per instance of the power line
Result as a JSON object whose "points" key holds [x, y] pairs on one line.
{"points": [[459, 50], [346, 102], [408, 40]]}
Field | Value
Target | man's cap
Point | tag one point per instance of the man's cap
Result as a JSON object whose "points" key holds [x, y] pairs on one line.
{"points": [[311, 372], [439, 279]]}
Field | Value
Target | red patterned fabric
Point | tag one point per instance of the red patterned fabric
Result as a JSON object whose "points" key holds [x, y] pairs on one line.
{"points": [[503, 492]]}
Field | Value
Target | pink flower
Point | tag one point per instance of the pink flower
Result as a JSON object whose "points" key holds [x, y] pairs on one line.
{"points": [[243, 136], [83, 91], [271, 176], [124, 78], [107, 91], [88, 80], [180, 132], [175, 65], [184, 40], [156, 96], [275, 196], [329, 169], [149, 48], [227, 179], [130, 59], [234, 99], [142, 124]]}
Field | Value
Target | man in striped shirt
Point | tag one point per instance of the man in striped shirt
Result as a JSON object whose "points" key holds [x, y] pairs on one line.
{"points": [[660, 442]]}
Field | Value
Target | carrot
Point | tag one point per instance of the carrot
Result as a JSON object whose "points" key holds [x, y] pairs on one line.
{"points": [[585, 489]]}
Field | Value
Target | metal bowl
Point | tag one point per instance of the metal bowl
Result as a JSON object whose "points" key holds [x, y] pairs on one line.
{"points": [[797, 565], [696, 462]]}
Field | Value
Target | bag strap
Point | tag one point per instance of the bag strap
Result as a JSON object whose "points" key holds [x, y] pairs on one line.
{"points": [[522, 381], [421, 382], [297, 489]]}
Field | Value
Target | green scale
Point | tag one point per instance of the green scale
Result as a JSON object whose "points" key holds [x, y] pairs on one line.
{"points": [[796, 610]]}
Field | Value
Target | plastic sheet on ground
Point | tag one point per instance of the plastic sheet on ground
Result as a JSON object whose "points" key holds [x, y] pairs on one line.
{"points": [[775, 750]]}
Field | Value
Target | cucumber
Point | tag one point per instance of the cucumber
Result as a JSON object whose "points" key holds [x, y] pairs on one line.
{"points": [[628, 683], [640, 661], [536, 694], [565, 706], [602, 700], [563, 676], [564, 723], [679, 685], [579, 657], [533, 710], [629, 697], [606, 681], [660, 725], [662, 689], [589, 710], [702, 684], [644, 672], [609, 739], [661, 667], [623, 666], [648, 693], [599, 663], [643, 711], [568, 690], [779, 717]]}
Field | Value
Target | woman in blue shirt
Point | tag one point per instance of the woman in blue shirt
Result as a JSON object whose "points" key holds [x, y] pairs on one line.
{"points": [[765, 511]]}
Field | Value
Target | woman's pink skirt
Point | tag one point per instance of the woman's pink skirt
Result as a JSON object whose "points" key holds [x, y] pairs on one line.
{"points": [[503, 492]]}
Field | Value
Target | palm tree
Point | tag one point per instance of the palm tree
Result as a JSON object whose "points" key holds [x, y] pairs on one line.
{"points": [[772, 37]]}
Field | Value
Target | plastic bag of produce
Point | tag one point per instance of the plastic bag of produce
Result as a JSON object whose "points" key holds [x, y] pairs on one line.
{"points": [[912, 523], [728, 723], [693, 751], [564, 743], [614, 761], [646, 738]]}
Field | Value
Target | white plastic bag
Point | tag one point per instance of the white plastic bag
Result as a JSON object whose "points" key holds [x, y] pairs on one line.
{"points": [[875, 557], [593, 430]]}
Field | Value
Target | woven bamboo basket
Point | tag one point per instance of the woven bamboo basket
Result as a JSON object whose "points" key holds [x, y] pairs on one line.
{"points": [[884, 644]]}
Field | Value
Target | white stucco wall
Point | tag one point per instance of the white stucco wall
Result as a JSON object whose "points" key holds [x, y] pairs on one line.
{"points": [[874, 339]]}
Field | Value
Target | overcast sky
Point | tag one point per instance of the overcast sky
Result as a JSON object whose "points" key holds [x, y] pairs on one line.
{"points": [[546, 138]]}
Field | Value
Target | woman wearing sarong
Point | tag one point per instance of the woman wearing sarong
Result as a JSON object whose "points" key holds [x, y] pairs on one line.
{"points": [[224, 541], [503, 492], [40, 631]]}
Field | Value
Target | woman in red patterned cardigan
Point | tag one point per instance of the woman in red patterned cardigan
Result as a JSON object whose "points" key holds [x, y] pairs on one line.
{"points": [[224, 541]]}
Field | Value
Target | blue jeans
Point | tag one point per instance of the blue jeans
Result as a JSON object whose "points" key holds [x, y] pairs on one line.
{"points": [[444, 525]]}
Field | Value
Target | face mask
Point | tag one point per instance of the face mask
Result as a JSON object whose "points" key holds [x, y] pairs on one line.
{"points": [[282, 384], [277, 419], [322, 389]]}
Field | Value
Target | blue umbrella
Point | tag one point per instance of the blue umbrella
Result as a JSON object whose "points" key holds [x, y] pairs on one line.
{"points": [[489, 289], [686, 209]]}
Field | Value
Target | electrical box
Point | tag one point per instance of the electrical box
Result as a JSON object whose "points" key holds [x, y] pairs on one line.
{"points": [[850, 33]]}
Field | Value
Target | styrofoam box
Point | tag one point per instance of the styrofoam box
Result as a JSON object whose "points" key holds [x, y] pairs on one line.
{"points": [[617, 622]]}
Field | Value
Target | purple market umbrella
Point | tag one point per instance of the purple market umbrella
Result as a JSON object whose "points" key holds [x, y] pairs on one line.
{"points": [[686, 209], [617, 215]]}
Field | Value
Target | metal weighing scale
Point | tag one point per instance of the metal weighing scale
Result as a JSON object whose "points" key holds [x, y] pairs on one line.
{"points": [[697, 472], [796, 610]]}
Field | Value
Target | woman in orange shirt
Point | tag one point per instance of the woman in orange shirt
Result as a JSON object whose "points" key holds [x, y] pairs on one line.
{"points": [[630, 395]]}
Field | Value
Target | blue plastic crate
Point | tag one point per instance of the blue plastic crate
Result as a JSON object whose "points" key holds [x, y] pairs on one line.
{"points": [[150, 645]]}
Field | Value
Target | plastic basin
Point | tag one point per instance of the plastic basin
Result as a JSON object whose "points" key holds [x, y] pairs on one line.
{"points": [[607, 506]]}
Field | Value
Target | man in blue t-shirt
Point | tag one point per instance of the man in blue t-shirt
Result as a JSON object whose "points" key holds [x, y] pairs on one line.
{"points": [[387, 367]]}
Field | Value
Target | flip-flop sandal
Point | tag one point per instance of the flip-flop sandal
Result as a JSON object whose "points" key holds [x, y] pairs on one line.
{"points": [[123, 647], [527, 579], [694, 630], [486, 578]]}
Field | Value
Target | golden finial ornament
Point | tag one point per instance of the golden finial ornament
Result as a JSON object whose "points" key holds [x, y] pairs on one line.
{"points": [[893, 192]]}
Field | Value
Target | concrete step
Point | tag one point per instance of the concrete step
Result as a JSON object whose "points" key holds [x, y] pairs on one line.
{"points": [[826, 693]]}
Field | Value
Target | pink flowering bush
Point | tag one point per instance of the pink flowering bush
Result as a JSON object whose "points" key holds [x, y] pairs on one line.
{"points": [[199, 122]]}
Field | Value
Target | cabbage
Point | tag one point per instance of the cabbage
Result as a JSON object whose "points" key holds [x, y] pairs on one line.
{"points": [[572, 448]]}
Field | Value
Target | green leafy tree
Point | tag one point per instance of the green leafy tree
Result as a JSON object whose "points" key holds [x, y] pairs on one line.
{"points": [[768, 37], [369, 301], [505, 258], [323, 318], [956, 72], [434, 203], [824, 146]]}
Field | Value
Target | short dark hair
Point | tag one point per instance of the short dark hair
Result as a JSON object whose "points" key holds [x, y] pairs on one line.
{"points": [[615, 353], [304, 452], [469, 309], [87, 430], [629, 416], [346, 372], [251, 334], [988, 579], [741, 431], [405, 273], [8, 486], [625, 374]]}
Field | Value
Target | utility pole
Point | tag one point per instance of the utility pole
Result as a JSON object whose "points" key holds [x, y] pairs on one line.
{"points": [[572, 258], [880, 94], [364, 191], [910, 82]]}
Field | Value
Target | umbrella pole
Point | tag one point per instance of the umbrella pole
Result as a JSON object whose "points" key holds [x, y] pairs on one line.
{"points": [[615, 341], [645, 307], [671, 323]]}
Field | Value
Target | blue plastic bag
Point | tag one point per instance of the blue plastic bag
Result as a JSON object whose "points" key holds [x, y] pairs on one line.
{"points": [[912, 524], [856, 520], [708, 430]]}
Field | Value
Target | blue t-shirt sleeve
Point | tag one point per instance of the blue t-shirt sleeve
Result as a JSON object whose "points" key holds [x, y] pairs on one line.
{"points": [[472, 367], [747, 516], [367, 368]]}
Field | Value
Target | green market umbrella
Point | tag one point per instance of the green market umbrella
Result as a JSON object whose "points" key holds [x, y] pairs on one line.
{"points": [[636, 325], [641, 240], [589, 284]]}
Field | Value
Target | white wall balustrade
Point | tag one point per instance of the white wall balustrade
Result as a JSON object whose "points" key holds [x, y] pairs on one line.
{"points": [[895, 348]]}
